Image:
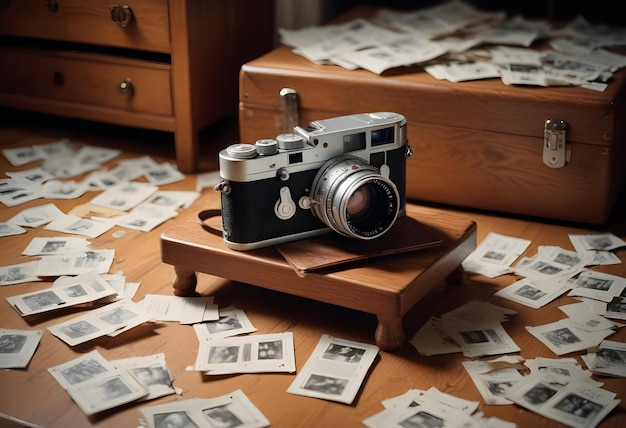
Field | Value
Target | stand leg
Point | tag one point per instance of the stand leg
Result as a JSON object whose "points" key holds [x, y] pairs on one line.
{"points": [[185, 282], [389, 333]]}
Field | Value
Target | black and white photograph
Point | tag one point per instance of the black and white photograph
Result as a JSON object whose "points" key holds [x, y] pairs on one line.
{"points": [[579, 405], [107, 392], [608, 360], [531, 293], [125, 195], [326, 385], [343, 353], [17, 347], [562, 337], [319, 376], [255, 353], [21, 155], [81, 369], [37, 216], [429, 409], [76, 263], [174, 420], [493, 378], [312, 214], [495, 255], [222, 416], [19, 273], [145, 217], [231, 322], [9, 229], [230, 410], [598, 286], [164, 173], [599, 241], [45, 246], [79, 290], [477, 342], [151, 371], [75, 225], [111, 320]]}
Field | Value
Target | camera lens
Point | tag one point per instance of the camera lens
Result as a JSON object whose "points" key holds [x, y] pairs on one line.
{"points": [[351, 197]]}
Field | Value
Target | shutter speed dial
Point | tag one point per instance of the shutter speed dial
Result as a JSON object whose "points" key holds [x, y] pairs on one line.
{"points": [[290, 141], [266, 147]]}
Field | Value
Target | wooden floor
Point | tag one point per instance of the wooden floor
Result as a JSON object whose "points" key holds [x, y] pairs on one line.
{"points": [[34, 396]]}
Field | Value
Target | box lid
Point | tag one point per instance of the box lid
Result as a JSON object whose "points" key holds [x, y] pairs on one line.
{"points": [[487, 105]]}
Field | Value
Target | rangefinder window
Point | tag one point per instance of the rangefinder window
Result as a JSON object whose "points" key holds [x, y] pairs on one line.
{"points": [[295, 157], [354, 142], [382, 136]]}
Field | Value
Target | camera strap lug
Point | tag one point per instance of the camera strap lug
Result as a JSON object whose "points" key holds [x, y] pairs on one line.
{"points": [[223, 187]]}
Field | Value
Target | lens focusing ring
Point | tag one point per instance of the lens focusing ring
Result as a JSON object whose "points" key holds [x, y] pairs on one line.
{"points": [[337, 181]]}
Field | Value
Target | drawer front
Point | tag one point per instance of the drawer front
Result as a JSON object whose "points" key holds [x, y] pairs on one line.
{"points": [[95, 80], [89, 21]]}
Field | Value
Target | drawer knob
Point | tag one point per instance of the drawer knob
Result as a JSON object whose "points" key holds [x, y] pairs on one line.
{"points": [[53, 5], [121, 15], [126, 87]]}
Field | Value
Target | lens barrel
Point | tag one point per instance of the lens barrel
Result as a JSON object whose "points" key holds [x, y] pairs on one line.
{"points": [[351, 197]]}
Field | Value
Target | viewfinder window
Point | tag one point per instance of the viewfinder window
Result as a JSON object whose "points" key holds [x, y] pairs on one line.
{"points": [[382, 136], [295, 157], [354, 142]]}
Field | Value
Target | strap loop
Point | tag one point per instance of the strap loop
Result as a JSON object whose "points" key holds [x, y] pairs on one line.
{"points": [[207, 214]]}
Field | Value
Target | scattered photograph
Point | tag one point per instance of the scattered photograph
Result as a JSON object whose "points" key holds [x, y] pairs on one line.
{"points": [[19, 273], [98, 261], [150, 371], [247, 354], [477, 342], [598, 286], [495, 378], [10, 229], [185, 310], [37, 216], [125, 195], [609, 359], [335, 370], [231, 322], [562, 337], [75, 225], [231, 410], [576, 404], [532, 293], [495, 255], [17, 347], [84, 289], [431, 339], [46, 246], [111, 320]]}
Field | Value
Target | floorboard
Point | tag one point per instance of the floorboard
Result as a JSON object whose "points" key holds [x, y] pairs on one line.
{"points": [[33, 395]]}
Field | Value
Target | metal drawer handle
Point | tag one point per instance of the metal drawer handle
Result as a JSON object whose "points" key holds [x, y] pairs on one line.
{"points": [[121, 15], [126, 87]]}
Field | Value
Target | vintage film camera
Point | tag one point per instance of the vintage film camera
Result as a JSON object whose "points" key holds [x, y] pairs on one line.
{"points": [[345, 174]]}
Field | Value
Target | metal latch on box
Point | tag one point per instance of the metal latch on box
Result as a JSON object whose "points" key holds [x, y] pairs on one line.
{"points": [[556, 151]]}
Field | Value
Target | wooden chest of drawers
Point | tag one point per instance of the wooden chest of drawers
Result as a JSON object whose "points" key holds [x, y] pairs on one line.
{"points": [[168, 65]]}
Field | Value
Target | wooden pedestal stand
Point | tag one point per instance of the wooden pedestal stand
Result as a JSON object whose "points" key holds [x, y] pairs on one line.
{"points": [[387, 287]]}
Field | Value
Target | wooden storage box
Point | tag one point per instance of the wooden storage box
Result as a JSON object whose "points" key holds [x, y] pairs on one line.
{"points": [[477, 144]]}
